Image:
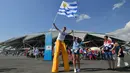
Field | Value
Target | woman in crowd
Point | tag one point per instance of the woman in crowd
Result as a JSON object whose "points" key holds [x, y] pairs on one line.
{"points": [[75, 54]]}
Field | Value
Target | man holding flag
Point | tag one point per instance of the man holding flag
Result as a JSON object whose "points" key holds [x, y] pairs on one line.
{"points": [[68, 9], [60, 45]]}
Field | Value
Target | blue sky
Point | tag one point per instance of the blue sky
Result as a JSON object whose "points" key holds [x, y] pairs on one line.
{"points": [[20, 17]]}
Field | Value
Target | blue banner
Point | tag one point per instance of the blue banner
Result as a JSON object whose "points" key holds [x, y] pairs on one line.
{"points": [[48, 47]]}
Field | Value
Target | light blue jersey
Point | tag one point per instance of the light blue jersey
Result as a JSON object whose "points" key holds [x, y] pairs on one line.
{"points": [[76, 45]]}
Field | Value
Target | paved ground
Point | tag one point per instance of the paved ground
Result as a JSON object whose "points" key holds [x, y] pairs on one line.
{"points": [[11, 64]]}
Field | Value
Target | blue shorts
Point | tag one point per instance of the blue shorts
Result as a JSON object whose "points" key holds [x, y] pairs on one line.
{"points": [[108, 55], [75, 51]]}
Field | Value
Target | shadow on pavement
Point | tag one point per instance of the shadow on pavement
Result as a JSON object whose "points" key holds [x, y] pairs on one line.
{"points": [[7, 69], [91, 69], [100, 69], [87, 69], [70, 63], [123, 69], [126, 69]]}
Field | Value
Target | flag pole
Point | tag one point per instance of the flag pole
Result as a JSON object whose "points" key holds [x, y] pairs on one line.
{"points": [[54, 21], [55, 17]]}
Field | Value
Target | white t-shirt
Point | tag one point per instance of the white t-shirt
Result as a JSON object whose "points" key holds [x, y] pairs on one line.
{"points": [[61, 36]]}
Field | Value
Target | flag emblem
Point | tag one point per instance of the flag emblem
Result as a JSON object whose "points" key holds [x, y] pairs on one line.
{"points": [[64, 5], [68, 9]]}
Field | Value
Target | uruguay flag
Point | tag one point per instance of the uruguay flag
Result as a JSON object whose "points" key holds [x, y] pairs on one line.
{"points": [[68, 9]]}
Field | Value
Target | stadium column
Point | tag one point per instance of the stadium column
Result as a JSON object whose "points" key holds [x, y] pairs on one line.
{"points": [[48, 47]]}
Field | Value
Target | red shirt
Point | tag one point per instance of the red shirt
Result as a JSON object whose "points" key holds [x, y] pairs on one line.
{"points": [[107, 44]]}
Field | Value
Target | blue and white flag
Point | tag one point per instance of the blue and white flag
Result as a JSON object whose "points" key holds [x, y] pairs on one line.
{"points": [[68, 9]]}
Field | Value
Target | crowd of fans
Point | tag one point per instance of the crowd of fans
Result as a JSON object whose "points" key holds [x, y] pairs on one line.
{"points": [[88, 54], [85, 54]]}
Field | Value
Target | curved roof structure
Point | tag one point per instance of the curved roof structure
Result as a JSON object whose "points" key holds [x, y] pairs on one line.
{"points": [[14, 40], [38, 38], [31, 36]]}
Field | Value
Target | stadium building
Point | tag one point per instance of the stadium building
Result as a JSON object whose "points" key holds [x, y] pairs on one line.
{"points": [[38, 40]]}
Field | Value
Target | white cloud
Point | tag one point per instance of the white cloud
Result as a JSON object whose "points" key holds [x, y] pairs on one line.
{"points": [[82, 17], [118, 5], [52, 29], [123, 33]]}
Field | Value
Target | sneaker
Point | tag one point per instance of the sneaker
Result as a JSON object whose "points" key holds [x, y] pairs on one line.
{"points": [[75, 70], [78, 70]]}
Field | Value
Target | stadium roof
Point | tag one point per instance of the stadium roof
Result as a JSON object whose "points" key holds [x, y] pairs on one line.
{"points": [[31, 36], [54, 34], [14, 39], [97, 35], [80, 34], [41, 36]]}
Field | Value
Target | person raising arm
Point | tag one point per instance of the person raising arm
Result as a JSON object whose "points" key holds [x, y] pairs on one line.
{"points": [[60, 46], [64, 29]]}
